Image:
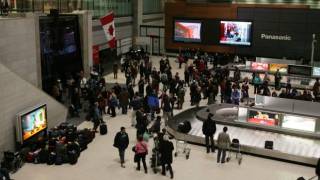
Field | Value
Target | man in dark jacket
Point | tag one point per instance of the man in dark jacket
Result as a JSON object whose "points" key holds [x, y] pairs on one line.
{"points": [[142, 123], [318, 169], [121, 141], [166, 148], [209, 129]]}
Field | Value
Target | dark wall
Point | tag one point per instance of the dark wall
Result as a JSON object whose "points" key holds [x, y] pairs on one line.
{"points": [[202, 12], [299, 24]]}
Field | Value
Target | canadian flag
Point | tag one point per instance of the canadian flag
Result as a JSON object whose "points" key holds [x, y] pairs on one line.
{"points": [[107, 23]]}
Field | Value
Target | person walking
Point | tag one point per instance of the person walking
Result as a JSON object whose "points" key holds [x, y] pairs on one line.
{"points": [[209, 129], [166, 148], [141, 150], [115, 70], [223, 144], [121, 142]]}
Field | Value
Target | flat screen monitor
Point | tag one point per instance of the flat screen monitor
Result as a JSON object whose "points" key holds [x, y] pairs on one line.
{"points": [[187, 30], [316, 71], [283, 68], [300, 70], [299, 123], [235, 33], [256, 66], [32, 122], [263, 118]]}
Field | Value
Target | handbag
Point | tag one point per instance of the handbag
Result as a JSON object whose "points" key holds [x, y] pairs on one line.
{"points": [[136, 158]]}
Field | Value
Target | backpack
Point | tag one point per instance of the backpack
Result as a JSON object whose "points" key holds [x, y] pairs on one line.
{"points": [[113, 101]]}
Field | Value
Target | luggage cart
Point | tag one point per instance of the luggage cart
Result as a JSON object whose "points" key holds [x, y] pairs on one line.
{"points": [[235, 148], [182, 147], [155, 156]]}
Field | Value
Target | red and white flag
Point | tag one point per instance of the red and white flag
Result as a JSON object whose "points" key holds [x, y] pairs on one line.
{"points": [[107, 23]]}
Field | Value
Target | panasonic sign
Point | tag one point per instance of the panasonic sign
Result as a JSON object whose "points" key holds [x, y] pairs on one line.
{"points": [[276, 37]]}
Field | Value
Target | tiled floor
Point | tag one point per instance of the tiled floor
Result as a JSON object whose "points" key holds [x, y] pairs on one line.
{"points": [[100, 161]]}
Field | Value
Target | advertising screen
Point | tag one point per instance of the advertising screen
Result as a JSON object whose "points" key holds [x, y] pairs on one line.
{"points": [[259, 66], [283, 68], [316, 71], [33, 122], [235, 33], [299, 70], [187, 31], [299, 123], [69, 44], [263, 118]]}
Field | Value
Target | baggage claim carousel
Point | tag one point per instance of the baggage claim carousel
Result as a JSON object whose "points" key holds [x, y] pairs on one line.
{"points": [[291, 146]]}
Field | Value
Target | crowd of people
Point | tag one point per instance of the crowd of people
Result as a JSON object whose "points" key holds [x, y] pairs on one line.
{"points": [[148, 91]]}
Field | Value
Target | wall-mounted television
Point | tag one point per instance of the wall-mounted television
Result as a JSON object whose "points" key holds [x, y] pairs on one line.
{"points": [[300, 70], [256, 66], [283, 68], [235, 33], [187, 31], [316, 71], [31, 122]]}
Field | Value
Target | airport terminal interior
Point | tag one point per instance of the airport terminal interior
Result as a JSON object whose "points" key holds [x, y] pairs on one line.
{"points": [[160, 89]]}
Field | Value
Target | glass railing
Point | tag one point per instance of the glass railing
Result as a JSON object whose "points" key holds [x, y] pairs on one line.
{"points": [[98, 7], [152, 6]]}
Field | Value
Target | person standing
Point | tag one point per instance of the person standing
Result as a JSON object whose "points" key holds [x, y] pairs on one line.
{"points": [[96, 116], [235, 95], [318, 169], [223, 144], [316, 90], [115, 70], [277, 79], [136, 105], [121, 141], [166, 109], [209, 129], [124, 100], [141, 150], [166, 148]]}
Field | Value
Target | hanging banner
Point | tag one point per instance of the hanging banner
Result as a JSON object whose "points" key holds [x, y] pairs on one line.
{"points": [[95, 55]]}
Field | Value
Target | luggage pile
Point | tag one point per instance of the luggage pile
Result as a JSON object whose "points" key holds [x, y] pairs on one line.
{"points": [[62, 145]]}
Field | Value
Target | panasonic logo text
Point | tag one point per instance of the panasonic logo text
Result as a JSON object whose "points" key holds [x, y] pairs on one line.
{"points": [[276, 37]]}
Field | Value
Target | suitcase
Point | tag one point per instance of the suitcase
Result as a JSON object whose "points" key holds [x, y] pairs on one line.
{"points": [[73, 157], [184, 127], [103, 129], [268, 145]]}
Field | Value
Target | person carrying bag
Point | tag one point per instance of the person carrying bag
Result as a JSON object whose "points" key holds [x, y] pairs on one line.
{"points": [[141, 151]]}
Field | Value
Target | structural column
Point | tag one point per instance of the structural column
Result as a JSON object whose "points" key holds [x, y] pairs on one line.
{"points": [[137, 17]]}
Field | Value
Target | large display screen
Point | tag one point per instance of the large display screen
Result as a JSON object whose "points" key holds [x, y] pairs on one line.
{"points": [[187, 31], [33, 122], [235, 33], [299, 123], [283, 68], [316, 71], [263, 118], [259, 66], [299, 70], [69, 44]]}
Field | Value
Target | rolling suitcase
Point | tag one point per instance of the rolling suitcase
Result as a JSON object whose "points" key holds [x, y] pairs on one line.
{"points": [[103, 129], [268, 145]]}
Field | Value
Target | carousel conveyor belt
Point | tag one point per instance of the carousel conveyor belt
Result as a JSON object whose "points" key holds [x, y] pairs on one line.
{"points": [[286, 147]]}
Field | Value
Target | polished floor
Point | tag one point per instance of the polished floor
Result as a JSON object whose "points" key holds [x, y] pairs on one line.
{"points": [[100, 160]]}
